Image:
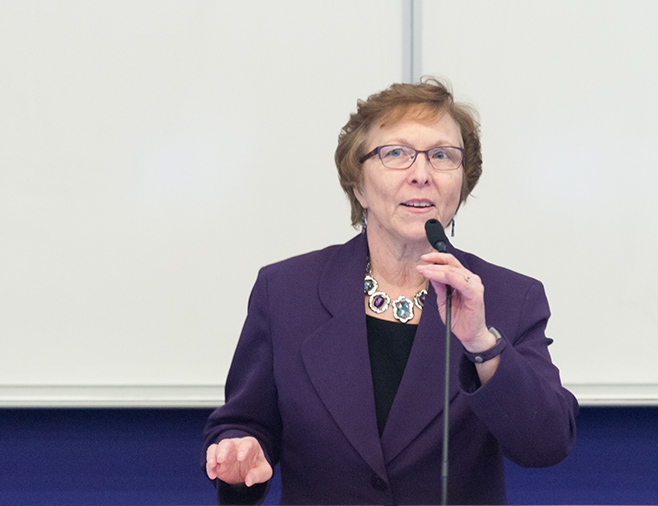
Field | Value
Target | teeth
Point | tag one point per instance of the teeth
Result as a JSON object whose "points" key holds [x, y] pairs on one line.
{"points": [[418, 204]]}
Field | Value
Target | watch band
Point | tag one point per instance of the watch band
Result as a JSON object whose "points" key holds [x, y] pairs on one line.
{"points": [[483, 356]]}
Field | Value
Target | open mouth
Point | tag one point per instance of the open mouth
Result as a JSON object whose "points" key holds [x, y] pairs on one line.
{"points": [[418, 204]]}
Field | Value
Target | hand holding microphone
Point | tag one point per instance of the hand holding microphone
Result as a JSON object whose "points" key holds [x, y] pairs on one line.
{"points": [[452, 281]]}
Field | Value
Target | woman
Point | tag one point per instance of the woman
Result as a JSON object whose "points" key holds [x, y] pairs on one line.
{"points": [[344, 385]]}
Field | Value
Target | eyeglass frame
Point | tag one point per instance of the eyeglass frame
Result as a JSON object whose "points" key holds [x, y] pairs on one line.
{"points": [[426, 152]]}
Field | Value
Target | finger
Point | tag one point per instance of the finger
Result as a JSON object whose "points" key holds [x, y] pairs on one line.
{"points": [[226, 450], [464, 280], [211, 470], [440, 273], [441, 258], [211, 462], [210, 453], [247, 447], [458, 277], [259, 474]]}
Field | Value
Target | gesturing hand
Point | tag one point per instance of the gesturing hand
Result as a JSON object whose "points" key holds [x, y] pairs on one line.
{"points": [[238, 461]]}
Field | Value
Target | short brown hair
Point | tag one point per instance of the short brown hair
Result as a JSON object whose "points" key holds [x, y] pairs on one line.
{"points": [[425, 101]]}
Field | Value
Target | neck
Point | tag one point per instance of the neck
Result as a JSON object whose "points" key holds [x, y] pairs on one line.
{"points": [[395, 265]]}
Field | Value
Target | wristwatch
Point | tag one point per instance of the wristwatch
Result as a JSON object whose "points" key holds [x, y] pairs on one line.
{"points": [[483, 356]]}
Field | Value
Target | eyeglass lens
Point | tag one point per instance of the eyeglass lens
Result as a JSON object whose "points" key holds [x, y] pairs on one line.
{"points": [[402, 157]]}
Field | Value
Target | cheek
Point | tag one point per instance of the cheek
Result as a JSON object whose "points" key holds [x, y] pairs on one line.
{"points": [[452, 188], [459, 187], [372, 191]]}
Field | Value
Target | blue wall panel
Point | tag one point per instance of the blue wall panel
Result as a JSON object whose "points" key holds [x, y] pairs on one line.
{"points": [[615, 461], [102, 457], [97, 457]]}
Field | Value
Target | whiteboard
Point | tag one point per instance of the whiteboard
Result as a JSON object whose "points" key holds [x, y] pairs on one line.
{"points": [[142, 182], [139, 197], [567, 96]]}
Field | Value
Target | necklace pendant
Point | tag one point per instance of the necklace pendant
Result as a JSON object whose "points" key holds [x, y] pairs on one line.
{"points": [[419, 299], [403, 309], [370, 285], [378, 302]]}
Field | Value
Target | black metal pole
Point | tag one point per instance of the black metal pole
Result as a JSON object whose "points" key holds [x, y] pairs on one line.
{"points": [[446, 401]]}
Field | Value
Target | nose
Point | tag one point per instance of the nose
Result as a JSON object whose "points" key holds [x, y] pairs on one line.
{"points": [[420, 172]]}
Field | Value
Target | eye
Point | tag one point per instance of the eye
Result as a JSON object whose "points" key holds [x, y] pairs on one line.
{"points": [[394, 151], [439, 154]]}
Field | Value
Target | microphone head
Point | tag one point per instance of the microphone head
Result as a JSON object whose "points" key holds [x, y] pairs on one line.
{"points": [[436, 235]]}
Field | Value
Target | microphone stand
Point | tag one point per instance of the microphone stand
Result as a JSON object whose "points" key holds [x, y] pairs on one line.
{"points": [[437, 238], [446, 400]]}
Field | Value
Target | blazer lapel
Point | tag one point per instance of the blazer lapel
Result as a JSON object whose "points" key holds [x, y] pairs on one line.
{"points": [[336, 355], [420, 397]]}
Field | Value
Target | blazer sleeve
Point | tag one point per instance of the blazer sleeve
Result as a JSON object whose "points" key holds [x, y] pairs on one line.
{"points": [[524, 404], [251, 407]]}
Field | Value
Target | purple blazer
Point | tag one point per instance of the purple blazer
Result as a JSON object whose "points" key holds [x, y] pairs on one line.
{"points": [[300, 382]]}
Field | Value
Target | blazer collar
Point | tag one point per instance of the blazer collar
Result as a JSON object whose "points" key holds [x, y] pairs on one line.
{"points": [[337, 361]]}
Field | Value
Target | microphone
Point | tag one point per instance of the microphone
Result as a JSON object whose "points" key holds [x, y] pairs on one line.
{"points": [[437, 238], [436, 235]]}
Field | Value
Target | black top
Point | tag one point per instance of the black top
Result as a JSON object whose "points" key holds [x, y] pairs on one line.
{"points": [[389, 345]]}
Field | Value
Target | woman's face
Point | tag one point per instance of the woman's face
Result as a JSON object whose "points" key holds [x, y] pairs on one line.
{"points": [[399, 202]]}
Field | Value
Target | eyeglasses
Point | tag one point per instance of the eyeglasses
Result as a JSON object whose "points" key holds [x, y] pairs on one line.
{"points": [[402, 157]]}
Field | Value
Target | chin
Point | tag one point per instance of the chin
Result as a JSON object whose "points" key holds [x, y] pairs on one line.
{"points": [[416, 232]]}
